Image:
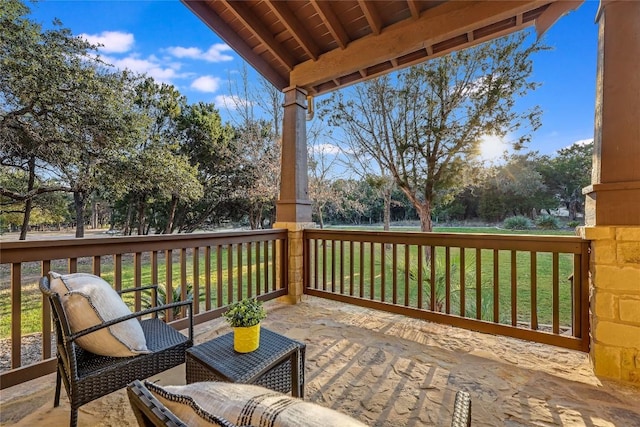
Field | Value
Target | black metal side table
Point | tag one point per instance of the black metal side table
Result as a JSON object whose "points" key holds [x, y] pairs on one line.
{"points": [[277, 364]]}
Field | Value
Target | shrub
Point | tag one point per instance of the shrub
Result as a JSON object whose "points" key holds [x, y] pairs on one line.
{"points": [[548, 222], [573, 224], [517, 223]]}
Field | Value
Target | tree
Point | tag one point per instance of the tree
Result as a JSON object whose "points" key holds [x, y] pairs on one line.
{"points": [[62, 111], [515, 188], [425, 123], [567, 173]]}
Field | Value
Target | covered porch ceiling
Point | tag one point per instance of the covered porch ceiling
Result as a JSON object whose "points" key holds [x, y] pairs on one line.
{"points": [[321, 46]]}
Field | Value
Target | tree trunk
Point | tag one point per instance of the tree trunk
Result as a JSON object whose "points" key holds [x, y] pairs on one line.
{"points": [[141, 217], [28, 205], [387, 209], [172, 215], [424, 212], [79, 199]]}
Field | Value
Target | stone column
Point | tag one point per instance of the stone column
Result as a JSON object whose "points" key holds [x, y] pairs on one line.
{"points": [[612, 213], [293, 210]]}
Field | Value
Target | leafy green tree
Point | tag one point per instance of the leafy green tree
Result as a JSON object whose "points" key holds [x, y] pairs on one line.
{"points": [[211, 146], [63, 112], [425, 123], [567, 173], [515, 188]]}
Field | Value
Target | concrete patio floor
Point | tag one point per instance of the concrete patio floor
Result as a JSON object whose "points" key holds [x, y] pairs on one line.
{"points": [[389, 370]]}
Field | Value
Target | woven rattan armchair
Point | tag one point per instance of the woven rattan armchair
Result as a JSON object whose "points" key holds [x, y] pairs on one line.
{"points": [[88, 376]]}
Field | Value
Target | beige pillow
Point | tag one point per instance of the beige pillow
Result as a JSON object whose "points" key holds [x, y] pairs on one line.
{"points": [[88, 300], [244, 405]]}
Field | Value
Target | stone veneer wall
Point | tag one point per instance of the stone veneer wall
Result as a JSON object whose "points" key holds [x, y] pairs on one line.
{"points": [[615, 301], [295, 261]]}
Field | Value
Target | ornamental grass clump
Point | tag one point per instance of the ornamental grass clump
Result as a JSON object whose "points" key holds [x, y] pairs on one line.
{"points": [[245, 313]]}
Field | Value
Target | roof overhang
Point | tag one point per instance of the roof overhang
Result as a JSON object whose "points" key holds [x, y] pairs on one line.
{"points": [[322, 46]]}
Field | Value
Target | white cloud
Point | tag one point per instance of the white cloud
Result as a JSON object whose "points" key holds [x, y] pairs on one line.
{"points": [[214, 54], [150, 66], [326, 149], [206, 84], [230, 102], [583, 141], [111, 41]]}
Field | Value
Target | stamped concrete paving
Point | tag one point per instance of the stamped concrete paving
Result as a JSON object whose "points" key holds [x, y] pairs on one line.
{"points": [[389, 370]]}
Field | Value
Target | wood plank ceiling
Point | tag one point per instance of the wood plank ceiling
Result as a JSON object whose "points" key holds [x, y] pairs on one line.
{"points": [[321, 45]]}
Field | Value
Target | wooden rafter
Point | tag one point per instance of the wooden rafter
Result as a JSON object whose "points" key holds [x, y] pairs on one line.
{"points": [[332, 22], [297, 30], [253, 24], [372, 15], [414, 8]]}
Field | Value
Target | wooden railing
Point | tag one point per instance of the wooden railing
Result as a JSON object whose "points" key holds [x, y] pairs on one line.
{"points": [[215, 269], [524, 286]]}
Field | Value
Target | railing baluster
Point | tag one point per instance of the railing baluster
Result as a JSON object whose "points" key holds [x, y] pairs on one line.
{"points": [[95, 265], [514, 289], [168, 262], [372, 269], [274, 270], [239, 286], [196, 280], [46, 316], [341, 257], [73, 265], [419, 284], [137, 279], [556, 293], [219, 282], [496, 287], [230, 296], [432, 277], [258, 273], [249, 270], [406, 275], [117, 272], [16, 315], [324, 265], [266, 267], [394, 270], [383, 271], [478, 283], [207, 278], [534, 290], [447, 279], [361, 264], [463, 279], [351, 268]]}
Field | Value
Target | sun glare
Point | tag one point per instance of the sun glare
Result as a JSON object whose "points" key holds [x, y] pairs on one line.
{"points": [[491, 147]]}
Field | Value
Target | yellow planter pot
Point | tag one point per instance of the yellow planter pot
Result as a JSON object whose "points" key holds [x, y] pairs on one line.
{"points": [[246, 340]]}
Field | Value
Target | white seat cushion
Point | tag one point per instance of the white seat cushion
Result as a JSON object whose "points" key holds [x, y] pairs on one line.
{"points": [[89, 300], [245, 405]]}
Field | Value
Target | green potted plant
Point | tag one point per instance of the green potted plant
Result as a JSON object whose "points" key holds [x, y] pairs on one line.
{"points": [[244, 317]]}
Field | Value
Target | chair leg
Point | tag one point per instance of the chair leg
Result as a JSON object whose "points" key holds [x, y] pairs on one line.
{"points": [[74, 418], [56, 399]]}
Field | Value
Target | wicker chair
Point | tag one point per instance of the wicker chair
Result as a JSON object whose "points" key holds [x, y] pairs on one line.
{"points": [[88, 376]]}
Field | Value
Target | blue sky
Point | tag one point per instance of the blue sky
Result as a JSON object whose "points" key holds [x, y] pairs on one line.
{"points": [[166, 41]]}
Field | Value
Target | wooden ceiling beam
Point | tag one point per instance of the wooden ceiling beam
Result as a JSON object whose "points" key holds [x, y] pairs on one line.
{"points": [[257, 28], [414, 8], [228, 34], [331, 21], [372, 15], [295, 28], [435, 25]]}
